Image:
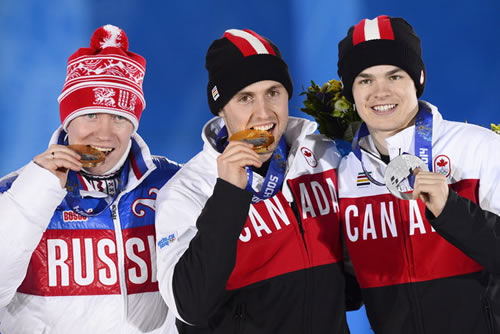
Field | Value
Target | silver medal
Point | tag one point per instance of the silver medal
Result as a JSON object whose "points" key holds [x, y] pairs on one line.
{"points": [[397, 172]]}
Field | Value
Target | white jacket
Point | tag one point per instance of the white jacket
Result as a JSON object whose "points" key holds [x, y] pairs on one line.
{"points": [[398, 257], [63, 273], [181, 201]]}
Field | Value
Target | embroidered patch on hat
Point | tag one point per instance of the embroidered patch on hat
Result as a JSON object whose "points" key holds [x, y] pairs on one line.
{"points": [[215, 93], [442, 165], [309, 156]]}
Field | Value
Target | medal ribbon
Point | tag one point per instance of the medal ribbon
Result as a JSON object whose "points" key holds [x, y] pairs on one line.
{"points": [[423, 141], [275, 173], [91, 206]]}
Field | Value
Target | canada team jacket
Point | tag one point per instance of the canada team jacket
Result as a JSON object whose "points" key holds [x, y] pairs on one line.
{"points": [[413, 279], [230, 266], [62, 273]]}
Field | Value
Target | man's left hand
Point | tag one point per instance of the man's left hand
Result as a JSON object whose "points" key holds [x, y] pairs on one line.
{"points": [[432, 189]]}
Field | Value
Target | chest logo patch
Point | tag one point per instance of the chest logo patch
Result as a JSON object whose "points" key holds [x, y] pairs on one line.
{"points": [[166, 241], [442, 165], [309, 156]]}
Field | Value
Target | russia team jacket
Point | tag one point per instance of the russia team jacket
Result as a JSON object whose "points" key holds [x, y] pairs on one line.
{"points": [[230, 266], [62, 273], [416, 278]]}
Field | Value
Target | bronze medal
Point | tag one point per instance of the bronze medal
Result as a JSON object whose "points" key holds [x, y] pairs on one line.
{"points": [[89, 156]]}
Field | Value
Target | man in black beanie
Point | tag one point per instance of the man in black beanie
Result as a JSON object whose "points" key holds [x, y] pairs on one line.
{"points": [[249, 235], [424, 249]]}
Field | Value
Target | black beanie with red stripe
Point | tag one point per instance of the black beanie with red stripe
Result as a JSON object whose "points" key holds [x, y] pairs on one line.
{"points": [[382, 41], [240, 58]]}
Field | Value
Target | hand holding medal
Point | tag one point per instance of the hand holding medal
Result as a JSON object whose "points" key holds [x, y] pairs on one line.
{"points": [[232, 163], [408, 172], [242, 152], [238, 154], [432, 189], [261, 141], [58, 159]]}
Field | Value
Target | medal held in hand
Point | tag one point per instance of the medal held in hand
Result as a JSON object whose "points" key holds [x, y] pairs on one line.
{"points": [[261, 140], [399, 177], [89, 156], [258, 138]]}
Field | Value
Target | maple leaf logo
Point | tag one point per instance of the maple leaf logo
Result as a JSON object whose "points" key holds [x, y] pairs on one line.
{"points": [[309, 156], [442, 163]]}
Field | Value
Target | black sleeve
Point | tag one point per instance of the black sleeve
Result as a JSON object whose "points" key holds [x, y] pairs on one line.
{"points": [[201, 273], [474, 231], [353, 296]]}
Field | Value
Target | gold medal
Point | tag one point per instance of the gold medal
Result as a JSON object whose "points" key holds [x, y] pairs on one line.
{"points": [[258, 138], [89, 156]]}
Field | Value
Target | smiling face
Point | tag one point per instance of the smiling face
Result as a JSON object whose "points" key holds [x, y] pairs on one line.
{"points": [[105, 132], [385, 98], [262, 105]]}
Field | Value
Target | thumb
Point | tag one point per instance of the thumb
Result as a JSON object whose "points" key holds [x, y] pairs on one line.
{"points": [[416, 171]]}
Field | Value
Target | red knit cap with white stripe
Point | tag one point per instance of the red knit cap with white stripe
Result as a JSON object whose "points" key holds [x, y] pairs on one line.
{"points": [[104, 78], [238, 59], [382, 41]]}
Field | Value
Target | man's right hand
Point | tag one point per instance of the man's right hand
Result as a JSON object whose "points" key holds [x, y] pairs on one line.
{"points": [[432, 189], [58, 159], [231, 163]]}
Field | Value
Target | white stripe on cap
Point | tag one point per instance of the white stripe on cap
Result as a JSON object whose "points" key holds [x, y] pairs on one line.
{"points": [[371, 29], [254, 41]]}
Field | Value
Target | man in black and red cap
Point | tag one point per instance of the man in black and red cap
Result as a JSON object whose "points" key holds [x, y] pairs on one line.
{"points": [[248, 231], [77, 248], [424, 249]]}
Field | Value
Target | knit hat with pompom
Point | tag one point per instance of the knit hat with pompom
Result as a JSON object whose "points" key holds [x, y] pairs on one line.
{"points": [[104, 78]]}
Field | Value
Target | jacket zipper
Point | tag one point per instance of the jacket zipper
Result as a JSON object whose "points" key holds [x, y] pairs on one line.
{"points": [[413, 294], [487, 311], [120, 249], [295, 210], [307, 273], [487, 307], [239, 316]]}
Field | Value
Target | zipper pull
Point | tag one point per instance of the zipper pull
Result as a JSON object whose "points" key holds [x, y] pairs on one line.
{"points": [[113, 211], [239, 313]]}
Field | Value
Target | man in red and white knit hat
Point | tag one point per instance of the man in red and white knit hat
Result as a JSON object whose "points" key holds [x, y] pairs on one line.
{"points": [[77, 240]]}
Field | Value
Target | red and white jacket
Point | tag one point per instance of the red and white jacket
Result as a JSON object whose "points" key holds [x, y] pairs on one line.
{"points": [[61, 272], [413, 280], [270, 267]]}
